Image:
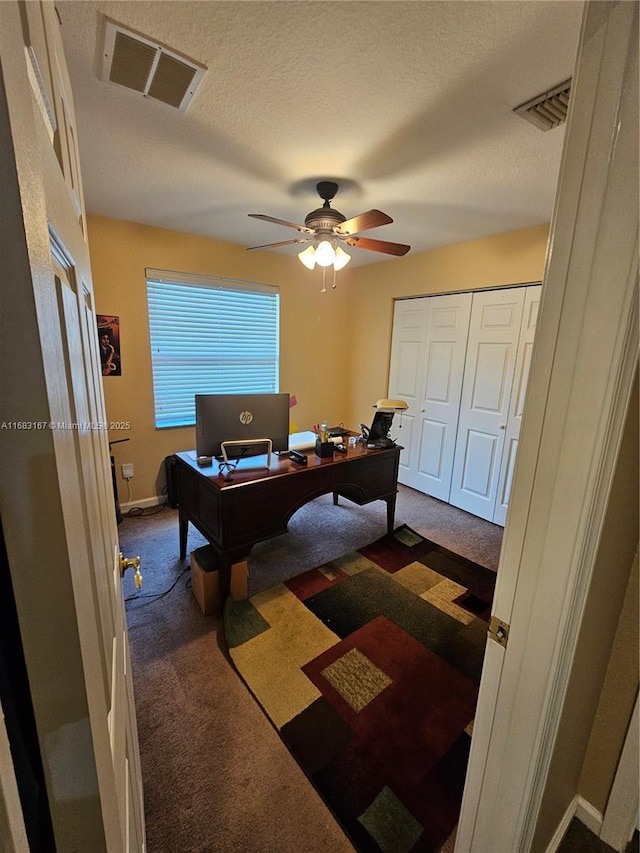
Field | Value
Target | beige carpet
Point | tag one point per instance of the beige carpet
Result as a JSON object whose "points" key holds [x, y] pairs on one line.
{"points": [[216, 775]]}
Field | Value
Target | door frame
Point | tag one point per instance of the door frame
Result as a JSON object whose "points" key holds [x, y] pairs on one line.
{"points": [[584, 360], [13, 833], [621, 814]]}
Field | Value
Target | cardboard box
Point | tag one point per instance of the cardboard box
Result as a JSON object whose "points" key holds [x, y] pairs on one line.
{"points": [[205, 579], [239, 581]]}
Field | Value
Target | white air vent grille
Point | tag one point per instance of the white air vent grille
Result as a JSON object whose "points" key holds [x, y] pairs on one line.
{"points": [[139, 63], [547, 110]]}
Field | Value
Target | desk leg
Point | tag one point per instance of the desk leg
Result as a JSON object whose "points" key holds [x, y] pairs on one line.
{"points": [[391, 511], [183, 525], [335, 499]]}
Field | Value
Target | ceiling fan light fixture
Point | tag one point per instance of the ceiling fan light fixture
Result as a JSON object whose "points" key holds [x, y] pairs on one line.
{"points": [[341, 259], [308, 257], [325, 254]]}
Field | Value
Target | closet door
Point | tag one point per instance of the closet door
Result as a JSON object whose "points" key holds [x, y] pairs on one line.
{"points": [[516, 406], [405, 378], [443, 366], [432, 374], [488, 377]]}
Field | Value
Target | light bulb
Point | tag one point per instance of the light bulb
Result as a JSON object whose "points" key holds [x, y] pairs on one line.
{"points": [[308, 257], [325, 254], [342, 258]]}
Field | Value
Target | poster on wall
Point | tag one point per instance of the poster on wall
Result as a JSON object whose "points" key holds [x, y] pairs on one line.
{"points": [[109, 339]]}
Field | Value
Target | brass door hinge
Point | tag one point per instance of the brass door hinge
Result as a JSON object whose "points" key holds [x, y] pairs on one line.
{"points": [[498, 631]]}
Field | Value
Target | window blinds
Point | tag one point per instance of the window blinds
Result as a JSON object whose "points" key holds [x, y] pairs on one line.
{"points": [[209, 336]]}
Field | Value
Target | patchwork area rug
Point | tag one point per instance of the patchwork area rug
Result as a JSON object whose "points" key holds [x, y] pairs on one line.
{"points": [[368, 667]]}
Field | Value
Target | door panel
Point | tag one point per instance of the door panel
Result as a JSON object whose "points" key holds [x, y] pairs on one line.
{"points": [[489, 384], [516, 408], [446, 335], [479, 462], [491, 354], [406, 440], [440, 357], [432, 449], [408, 355], [409, 318]]}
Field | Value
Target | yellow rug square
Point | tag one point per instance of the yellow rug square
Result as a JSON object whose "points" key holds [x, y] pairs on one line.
{"points": [[417, 577], [442, 596], [276, 677], [357, 679], [353, 563]]}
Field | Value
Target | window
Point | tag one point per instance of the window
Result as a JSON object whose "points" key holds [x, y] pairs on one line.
{"points": [[209, 336]]}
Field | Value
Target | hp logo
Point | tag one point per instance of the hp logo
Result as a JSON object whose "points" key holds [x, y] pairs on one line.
{"points": [[246, 418]]}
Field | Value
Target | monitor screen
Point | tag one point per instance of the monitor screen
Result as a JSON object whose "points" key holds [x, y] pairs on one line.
{"points": [[235, 417]]}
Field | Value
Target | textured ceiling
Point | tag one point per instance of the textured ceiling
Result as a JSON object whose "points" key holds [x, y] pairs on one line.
{"points": [[408, 105]]}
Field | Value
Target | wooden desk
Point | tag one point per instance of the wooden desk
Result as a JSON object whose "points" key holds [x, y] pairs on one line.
{"points": [[254, 503]]}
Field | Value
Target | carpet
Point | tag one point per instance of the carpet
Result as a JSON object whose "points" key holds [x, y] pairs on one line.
{"points": [[368, 667]]}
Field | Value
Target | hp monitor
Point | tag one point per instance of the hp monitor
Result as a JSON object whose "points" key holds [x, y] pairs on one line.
{"points": [[236, 417]]}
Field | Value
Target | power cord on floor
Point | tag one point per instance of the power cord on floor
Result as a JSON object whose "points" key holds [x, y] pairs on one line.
{"points": [[158, 595], [138, 511]]}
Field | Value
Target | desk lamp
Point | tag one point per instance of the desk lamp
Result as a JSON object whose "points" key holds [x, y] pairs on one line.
{"points": [[391, 406]]}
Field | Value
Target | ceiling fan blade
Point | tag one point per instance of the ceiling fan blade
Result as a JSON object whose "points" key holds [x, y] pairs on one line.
{"points": [[370, 219], [282, 243], [378, 245], [284, 222]]}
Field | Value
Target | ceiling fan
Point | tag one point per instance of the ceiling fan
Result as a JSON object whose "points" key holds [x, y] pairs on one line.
{"points": [[326, 228]]}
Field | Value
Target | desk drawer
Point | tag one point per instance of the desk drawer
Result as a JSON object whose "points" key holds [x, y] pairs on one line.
{"points": [[262, 510], [367, 479]]}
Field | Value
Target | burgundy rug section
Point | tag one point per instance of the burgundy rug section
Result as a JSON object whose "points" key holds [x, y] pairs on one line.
{"points": [[309, 583], [433, 701]]}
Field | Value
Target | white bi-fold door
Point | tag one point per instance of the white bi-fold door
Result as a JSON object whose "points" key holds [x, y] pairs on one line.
{"points": [[486, 394], [516, 405], [427, 366], [461, 362]]}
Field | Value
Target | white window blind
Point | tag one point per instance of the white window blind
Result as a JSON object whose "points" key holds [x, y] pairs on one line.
{"points": [[209, 336]]}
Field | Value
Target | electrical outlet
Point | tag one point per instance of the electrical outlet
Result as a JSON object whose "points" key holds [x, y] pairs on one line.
{"points": [[127, 471]]}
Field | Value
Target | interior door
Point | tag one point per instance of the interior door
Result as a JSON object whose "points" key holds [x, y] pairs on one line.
{"points": [[405, 378], [486, 391], [61, 531], [427, 365], [516, 406], [444, 358]]}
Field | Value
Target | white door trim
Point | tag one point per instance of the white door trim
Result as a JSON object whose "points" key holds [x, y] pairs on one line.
{"points": [[584, 360], [621, 813], [13, 834]]}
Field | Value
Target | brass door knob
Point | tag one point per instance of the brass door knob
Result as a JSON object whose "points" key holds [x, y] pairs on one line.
{"points": [[131, 563]]}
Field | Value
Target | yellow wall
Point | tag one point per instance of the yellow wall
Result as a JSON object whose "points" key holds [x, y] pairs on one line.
{"points": [[312, 324], [334, 345], [513, 258]]}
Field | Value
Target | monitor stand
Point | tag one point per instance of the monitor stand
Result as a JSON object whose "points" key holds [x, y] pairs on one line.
{"points": [[246, 443]]}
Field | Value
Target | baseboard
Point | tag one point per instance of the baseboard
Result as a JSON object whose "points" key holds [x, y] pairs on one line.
{"points": [[156, 500], [589, 816], [586, 814], [563, 826]]}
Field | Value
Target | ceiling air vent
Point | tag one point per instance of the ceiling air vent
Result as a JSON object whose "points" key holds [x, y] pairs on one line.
{"points": [[139, 63], [547, 110]]}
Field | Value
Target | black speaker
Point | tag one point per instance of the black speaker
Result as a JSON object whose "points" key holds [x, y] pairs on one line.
{"points": [[170, 473]]}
